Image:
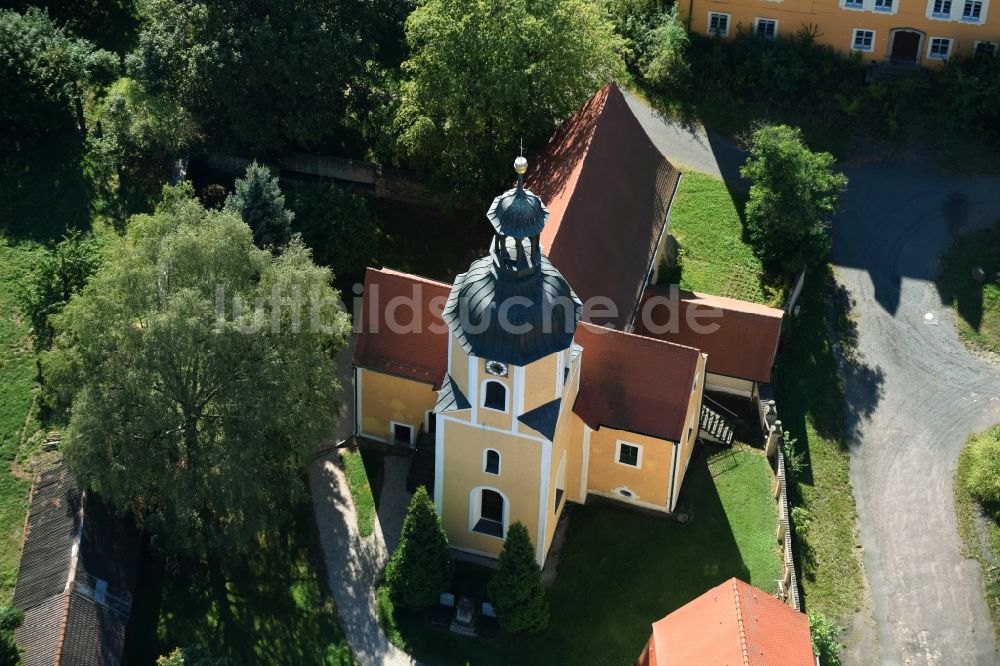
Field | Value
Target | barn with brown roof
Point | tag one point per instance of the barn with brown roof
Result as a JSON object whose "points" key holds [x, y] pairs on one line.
{"points": [[76, 577]]}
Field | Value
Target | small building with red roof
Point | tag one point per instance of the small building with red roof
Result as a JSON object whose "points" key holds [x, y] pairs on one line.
{"points": [[733, 624]]}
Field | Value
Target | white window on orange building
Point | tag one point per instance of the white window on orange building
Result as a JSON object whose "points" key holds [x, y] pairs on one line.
{"points": [[863, 40], [718, 24]]}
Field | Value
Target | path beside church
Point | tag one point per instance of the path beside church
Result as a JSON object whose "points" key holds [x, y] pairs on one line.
{"points": [[352, 563]]}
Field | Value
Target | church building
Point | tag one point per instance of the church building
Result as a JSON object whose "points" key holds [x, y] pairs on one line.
{"points": [[529, 402]]}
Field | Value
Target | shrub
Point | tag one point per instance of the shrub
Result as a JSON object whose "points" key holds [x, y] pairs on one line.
{"points": [[63, 270], [825, 639], [516, 590], [984, 475], [337, 225], [420, 569], [10, 619], [664, 59]]}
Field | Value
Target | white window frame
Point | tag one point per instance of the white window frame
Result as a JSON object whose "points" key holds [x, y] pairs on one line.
{"points": [[978, 42], [884, 8], [618, 454], [729, 19], [930, 48], [475, 511], [854, 40], [852, 5], [506, 395], [392, 431], [486, 453], [982, 12], [756, 27], [942, 15]]}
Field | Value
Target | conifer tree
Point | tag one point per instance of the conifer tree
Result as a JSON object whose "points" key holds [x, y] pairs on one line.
{"points": [[516, 590], [420, 569], [259, 201]]}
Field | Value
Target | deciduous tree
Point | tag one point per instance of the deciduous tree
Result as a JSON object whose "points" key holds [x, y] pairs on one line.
{"points": [[45, 75], [516, 590], [420, 568], [200, 372], [482, 75], [62, 271], [10, 619], [337, 225], [793, 195]]}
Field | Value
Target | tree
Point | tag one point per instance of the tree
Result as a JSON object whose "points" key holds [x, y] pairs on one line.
{"points": [[200, 373], [482, 75], [45, 75], [516, 590], [793, 195], [142, 136], [61, 271], [825, 639], [983, 481], [190, 656], [257, 199], [10, 619], [664, 53], [337, 225], [259, 75], [420, 568]]}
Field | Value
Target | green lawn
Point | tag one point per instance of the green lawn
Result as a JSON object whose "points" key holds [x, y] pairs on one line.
{"points": [[357, 479], [982, 542], [976, 304], [19, 423], [811, 407], [714, 259], [621, 570], [271, 606]]}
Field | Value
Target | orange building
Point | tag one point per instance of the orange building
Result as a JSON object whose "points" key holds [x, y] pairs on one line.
{"points": [[926, 32]]}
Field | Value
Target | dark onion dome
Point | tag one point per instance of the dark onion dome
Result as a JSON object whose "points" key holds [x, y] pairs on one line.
{"points": [[518, 213], [512, 319]]}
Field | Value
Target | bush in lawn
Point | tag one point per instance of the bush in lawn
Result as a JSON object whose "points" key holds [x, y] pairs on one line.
{"points": [[825, 639], [516, 590], [420, 569], [793, 194], [984, 476], [970, 96]]}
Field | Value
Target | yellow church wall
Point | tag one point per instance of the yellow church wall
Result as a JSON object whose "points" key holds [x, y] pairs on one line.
{"points": [[835, 24], [386, 398], [693, 416], [648, 482], [518, 481]]}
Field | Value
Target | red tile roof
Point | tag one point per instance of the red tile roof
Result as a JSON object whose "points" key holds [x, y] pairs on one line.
{"points": [[418, 347], [633, 383], [608, 189], [731, 625], [743, 341]]}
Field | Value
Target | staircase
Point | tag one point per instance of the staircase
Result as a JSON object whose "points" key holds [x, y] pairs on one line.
{"points": [[890, 72], [715, 427], [422, 467]]}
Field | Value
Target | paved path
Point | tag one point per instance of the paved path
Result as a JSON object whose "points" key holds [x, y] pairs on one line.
{"points": [[352, 563], [687, 145], [912, 400]]}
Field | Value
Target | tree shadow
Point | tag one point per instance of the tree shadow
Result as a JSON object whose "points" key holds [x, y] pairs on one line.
{"points": [[44, 190], [957, 286], [270, 606]]}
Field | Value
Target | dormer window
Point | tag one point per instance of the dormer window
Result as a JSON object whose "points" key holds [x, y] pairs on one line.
{"points": [[495, 396]]}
